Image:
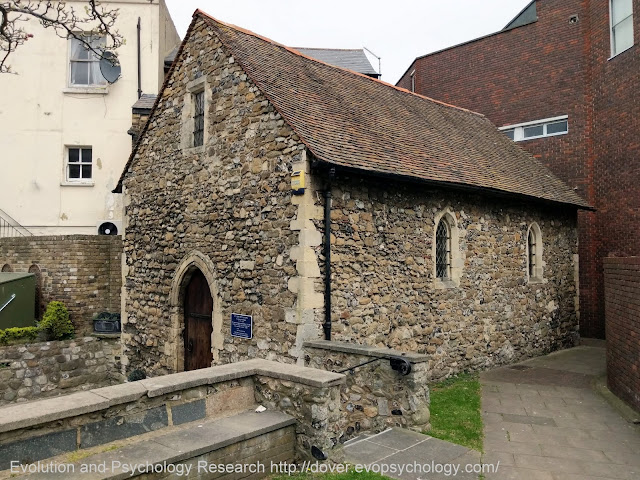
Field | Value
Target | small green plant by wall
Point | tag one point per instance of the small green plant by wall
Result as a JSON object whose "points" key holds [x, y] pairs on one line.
{"points": [[56, 322], [18, 335]]}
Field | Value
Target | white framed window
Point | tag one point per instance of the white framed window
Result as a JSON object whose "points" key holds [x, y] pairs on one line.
{"points": [[79, 165], [548, 127], [413, 81], [621, 19], [84, 65]]}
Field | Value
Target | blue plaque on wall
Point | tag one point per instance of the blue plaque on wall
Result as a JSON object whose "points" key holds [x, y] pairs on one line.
{"points": [[241, 326]]}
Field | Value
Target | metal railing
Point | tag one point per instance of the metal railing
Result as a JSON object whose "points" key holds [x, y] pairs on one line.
{"points": [[11, 228]]}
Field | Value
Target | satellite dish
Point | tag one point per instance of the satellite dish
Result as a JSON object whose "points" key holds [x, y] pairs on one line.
{"points": [[110, 67], [107, 228]]}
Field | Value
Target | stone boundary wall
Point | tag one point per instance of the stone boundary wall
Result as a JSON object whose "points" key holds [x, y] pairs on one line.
{"points": [[42, 429], [622, 312], [81, 271], [39, 370], [375, 396]]}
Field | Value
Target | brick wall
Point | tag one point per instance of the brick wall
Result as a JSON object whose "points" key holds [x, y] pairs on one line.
{"points": [[549, 68], [616, 84], [622, 297], [81, 271]]}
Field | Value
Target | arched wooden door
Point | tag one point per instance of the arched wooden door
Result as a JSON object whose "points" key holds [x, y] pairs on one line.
{"points": [[198, 308]]}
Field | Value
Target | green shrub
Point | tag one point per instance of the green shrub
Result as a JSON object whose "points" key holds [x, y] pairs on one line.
{"points": [[15, 334], [56, 322]]}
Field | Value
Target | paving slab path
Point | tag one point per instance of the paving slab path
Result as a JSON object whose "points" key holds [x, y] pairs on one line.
{"points": [[407, 455], [543, 420]]}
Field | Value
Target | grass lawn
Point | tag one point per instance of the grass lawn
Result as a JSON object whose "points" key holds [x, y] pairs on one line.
{"points": [[455, 411]]}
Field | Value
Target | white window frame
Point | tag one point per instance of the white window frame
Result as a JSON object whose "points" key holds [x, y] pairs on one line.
{"points": [[74, 181], [518, 129], [81, 86], [413, 81], [611, 27]]}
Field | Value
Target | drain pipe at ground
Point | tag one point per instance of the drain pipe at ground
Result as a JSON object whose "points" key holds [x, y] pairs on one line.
{"points": [[326, 326]]}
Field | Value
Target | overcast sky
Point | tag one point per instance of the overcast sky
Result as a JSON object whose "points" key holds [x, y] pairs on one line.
{"points": [[396, 31]]}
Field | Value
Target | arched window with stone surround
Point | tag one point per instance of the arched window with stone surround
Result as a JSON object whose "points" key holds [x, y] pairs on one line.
{"points": [[443, 250], [534, 253], [447, 257], [7, 268]]}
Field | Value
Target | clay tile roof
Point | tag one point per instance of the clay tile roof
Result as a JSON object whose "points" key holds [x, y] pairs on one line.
{"points": [[351, 59], [348, 119]]}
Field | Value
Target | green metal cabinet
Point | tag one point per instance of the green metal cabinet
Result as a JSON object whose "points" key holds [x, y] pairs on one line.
{"points": [[17, 300]]}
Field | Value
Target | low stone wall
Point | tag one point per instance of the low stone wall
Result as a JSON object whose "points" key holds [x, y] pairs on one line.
{"points": [[622, 315], [374, 396], [45, 428], [47, 369], [81, 271]]}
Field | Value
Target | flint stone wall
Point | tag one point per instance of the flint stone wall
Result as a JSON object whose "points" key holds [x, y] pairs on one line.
{"points": [[383, 288], [229, 200], [103, 415], [47, 369], [374, 397], [229, 204]]}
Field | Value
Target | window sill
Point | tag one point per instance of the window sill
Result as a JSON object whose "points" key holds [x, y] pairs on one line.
{"points": [[535, 281], [440, 284], [541, 136], [77, 184], [87, 90], [620, 53], [194, 150]]}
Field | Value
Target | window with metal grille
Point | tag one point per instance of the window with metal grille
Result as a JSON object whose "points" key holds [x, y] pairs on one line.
{"points": [[443, 250], [532, 254], [198, 127], [79, 164]]}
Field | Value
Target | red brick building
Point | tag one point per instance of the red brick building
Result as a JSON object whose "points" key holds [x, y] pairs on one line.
{"points": [[563, 80]]}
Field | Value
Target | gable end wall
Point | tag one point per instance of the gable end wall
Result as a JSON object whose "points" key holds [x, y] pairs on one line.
{"points": [[228, 202]]}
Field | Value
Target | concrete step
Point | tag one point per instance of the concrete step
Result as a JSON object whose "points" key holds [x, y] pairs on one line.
{"points": [[246, 440]]}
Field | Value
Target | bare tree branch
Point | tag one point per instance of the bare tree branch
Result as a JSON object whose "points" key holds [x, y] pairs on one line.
{"points": [[96, 22]]}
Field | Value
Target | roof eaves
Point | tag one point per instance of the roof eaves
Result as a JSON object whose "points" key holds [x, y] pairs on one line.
{"points": [[582, 205]]}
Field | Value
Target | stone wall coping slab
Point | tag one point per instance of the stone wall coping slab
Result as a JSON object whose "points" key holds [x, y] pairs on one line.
{"points": [[28, 414], [123, 393], [621, 260], [180, 445], [366, 350], [307, 376]]}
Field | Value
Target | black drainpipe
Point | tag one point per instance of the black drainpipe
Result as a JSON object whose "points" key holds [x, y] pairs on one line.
{"points": [[326, 326], [139, 66]]}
